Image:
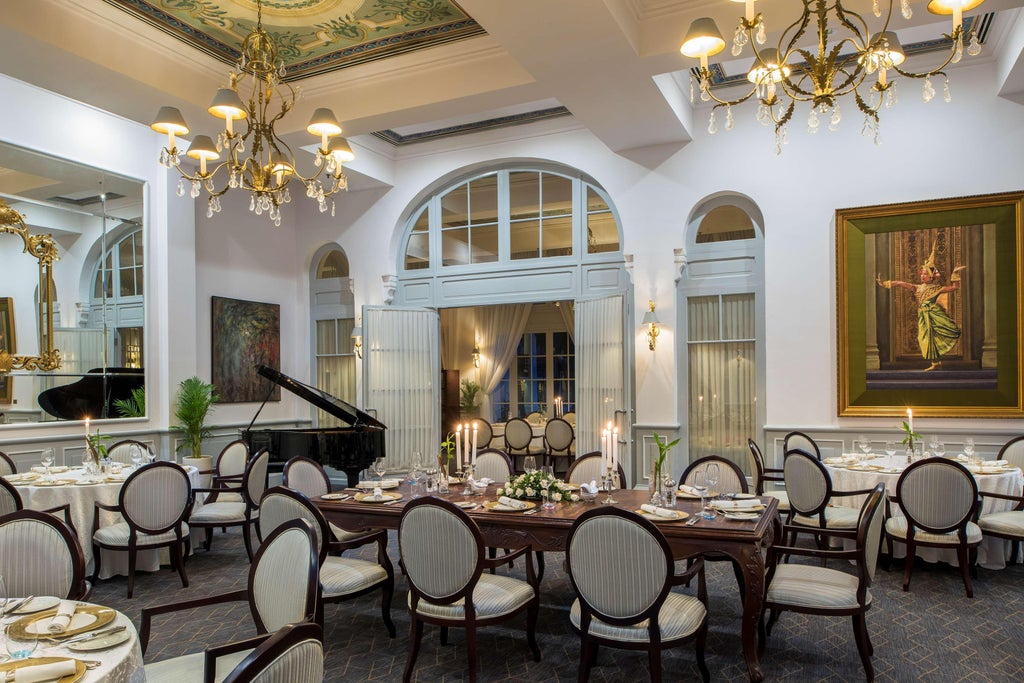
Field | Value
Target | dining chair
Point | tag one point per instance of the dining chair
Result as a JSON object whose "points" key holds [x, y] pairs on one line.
{"points": [[770, 475], [1006, 524], [518, 439], [40, 555], [800, 441], [7, 465], [535, 418], [228, 470], [493, 464], [731, 477], [341, 578], [282, 589], [215, 513], [293, 654], [10, 501], [443, 555], [811, 589], [122, 451], [154, 503], [590, 467], [484, 432], [558, 440], [811, 495], [939, 500], [570, 417], [308, 477], [1013, 452], [623, 573]]}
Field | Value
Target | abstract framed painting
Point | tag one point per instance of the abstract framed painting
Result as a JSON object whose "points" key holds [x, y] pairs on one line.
{"points": [[929, 303], [245, 334]]}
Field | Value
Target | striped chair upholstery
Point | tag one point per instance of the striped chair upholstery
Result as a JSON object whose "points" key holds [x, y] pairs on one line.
{"points": [[810, 493], [518, 438], [228, 469], [800, 441], [493, 464], [558, 439], [10, 499], [217, 513], [1008, 524], [154, 502], [1013, 452], [766, 475], [443, 555], [308, 477], [822, 590], [294, 654], [588, 468], [341, 578], [570, 417], [282, 590], [7, 465], [939, 498], [484, 432], [730, 477], [122, 450], [623, 571], [40, 555]]}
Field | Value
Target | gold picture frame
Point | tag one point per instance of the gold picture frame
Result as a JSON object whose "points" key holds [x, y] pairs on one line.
{"points": [[929, 308]]}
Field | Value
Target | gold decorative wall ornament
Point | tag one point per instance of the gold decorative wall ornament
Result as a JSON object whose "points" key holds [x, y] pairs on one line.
{"points": [[270, 164], [44, 249], [848, 53]]}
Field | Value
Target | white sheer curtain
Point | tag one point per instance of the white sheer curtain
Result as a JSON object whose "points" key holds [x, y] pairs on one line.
{"points": [[400, 348], [450, 319], [722, 377], [500, 328], [600, 377], [569, 318]]}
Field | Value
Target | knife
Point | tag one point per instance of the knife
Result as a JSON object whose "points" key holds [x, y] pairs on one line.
{"points": [[95, 634], [11, 609]]}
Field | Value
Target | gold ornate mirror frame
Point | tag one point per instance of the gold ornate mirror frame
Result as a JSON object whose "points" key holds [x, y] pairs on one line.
{"points": [[44, 249]]}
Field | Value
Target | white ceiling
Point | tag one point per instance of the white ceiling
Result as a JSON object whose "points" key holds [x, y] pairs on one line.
{"points": [[609, 62]]}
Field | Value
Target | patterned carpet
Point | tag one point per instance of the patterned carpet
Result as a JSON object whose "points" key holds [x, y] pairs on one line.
{"points": [[933, 633]]}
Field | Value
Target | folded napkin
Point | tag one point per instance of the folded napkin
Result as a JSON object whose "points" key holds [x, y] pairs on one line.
{"points": [[60, 622], [45, 672], [689, 490], [962, 458], [590, 488], [390, 483], [377, 494], [995, 463], [512, 503], [484, 481], [660, 512], [744, 504]]}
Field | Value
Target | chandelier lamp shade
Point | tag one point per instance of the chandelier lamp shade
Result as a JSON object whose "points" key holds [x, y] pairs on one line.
{"points": [[248, 154], [850, 60]]}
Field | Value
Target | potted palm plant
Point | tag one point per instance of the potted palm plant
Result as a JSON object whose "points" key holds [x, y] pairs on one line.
{"points": [[194, 401]]}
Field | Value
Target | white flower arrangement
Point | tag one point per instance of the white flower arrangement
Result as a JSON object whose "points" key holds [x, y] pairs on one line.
{"points": [[529, 485]]}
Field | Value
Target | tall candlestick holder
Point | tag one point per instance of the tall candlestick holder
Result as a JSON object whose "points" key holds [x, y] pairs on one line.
{"points": [[609, 484]]}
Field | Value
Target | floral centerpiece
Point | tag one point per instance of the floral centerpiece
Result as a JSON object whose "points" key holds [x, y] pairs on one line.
{"points": [[97, 447], [530, 485]]}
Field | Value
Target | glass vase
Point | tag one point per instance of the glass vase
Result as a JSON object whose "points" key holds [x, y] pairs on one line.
{"points": [[655, 485]]}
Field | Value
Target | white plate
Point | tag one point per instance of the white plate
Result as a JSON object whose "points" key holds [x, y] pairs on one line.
{"points": [[39, 604], [741, 516], [658, 519], [80, 620], [466, 505], [100, 642], [743, 496], [335, 496]]}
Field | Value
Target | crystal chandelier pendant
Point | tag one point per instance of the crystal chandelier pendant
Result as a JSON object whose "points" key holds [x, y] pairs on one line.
{"points": [[890, 97], [946, 95], [905, 9], [181, 187], [762, 33], [712, 123], [833, 124], [974, 47], [728, 118], [927, 91], [812, 121], [739, 39]]}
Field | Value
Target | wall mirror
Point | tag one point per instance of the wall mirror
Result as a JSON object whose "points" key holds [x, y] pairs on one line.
{"points": [[86, 309]]}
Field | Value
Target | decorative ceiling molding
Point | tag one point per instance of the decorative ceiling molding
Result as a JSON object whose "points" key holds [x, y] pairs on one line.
{"points": [[322, 37], [399, 140]]}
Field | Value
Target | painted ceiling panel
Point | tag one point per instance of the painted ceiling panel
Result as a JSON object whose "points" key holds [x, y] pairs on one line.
{"points": [[312, 36]]}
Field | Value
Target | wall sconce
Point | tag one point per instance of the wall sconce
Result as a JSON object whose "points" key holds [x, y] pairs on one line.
{"points": [[476, 355], [651, 321], [357, 340]]}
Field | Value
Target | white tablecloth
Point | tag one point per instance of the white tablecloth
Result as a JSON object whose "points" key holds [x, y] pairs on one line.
{"points": [[81, 499], [992, 551], [119, 664]]}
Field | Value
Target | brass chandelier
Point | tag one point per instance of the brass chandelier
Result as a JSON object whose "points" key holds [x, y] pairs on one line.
{"points": [[270, 164], [848, 57]]}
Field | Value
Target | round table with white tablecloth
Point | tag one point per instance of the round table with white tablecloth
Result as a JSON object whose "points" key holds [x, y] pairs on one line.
{"points": [[849, 474], [74, 489]]}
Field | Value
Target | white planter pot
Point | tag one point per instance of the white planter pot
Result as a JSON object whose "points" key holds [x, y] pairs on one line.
{"points": [[204, 463]]}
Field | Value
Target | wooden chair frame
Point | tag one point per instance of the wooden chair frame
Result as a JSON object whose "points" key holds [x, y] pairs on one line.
{"points": [[271, 648], [19, 504], [8, 462], [585, 458], [80, 587], [248, 521]]}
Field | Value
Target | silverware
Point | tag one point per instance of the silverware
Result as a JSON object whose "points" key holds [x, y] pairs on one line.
{"points": [[94, 634], [693, 520], [17, 606], [532, 512]]}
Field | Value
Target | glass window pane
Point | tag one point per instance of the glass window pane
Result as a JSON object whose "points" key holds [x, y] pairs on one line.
{"points": [[524, 194], [594, 201], [417, 254], [483, 199], [127, 281], [725, 223], [485, 244], [422, 223], [525, 238], [560, 343], [334, 264], [140, 280], [126, 252], [602, 233], [702, 313], [455, 247], [557, 195], [326, 337], [455, 207], [738, 316], [138, 248], [557, 236]]}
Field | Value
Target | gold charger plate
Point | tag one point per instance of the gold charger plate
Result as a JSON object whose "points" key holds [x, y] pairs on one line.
{"points": [[101, 617], [498, 507], [384, 497], [741, 516], [33, 661], [864, 468], [658, 519], [55, 482]]}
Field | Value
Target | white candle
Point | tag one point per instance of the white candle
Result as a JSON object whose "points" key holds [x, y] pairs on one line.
{"points": [[604, 449], [87, 427], [910, 420], [465, 434], [615, 450], [458, 445], [475, 426]]}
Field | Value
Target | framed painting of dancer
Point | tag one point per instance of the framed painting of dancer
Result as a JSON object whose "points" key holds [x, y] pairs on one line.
{"points": [[929, 303]]}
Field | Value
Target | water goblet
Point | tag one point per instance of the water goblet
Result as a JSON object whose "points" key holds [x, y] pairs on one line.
{"points": [[136, 455], [865, 446], [713, 477], [415, 467], [546, 502], [890, 448], [379, 468], [969, 449], [21, 645], [46, 461], [530, 464], [939, 449], [700, 485]]}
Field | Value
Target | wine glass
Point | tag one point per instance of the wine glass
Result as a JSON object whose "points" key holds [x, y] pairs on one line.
{"points": [[969, 449], [700, 485], [933, 443], [379, 468], [865, 446], [890, 449], [415, 467], [939, 449], [47, 460], [136, 454], [22, 644], [530, 464], [713, 474]]}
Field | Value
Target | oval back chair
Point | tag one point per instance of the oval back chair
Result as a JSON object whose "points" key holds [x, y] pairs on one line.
{"points": [[122, 450], [494, 464], [40, 555], [730, 477], [590, 467], [484, 432]]}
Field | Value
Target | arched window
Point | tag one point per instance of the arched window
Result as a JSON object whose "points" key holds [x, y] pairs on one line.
{"points": [[510, 215], [116, 302], [332, 312]]}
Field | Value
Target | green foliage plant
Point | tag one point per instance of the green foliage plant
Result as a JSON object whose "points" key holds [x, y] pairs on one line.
{"points": [[194, 401]]}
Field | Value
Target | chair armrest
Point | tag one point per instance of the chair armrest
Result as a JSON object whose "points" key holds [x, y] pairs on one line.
{"points": [[858, 492], [223, 489], [493, 563], [1001, 496], [149, 612], [211, 654], [370, 537], [66, 510], [778, 550], [818, 531], [693, 570]]}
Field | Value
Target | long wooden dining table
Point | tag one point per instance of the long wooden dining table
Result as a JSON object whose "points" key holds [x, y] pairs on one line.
{"points": [[742, 541]]}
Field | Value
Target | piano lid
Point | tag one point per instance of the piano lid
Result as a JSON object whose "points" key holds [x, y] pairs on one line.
{"points": [[321, 399]]}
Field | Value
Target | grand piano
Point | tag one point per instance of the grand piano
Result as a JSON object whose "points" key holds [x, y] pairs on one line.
{"points": [[94, 395], [349, 449]]}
